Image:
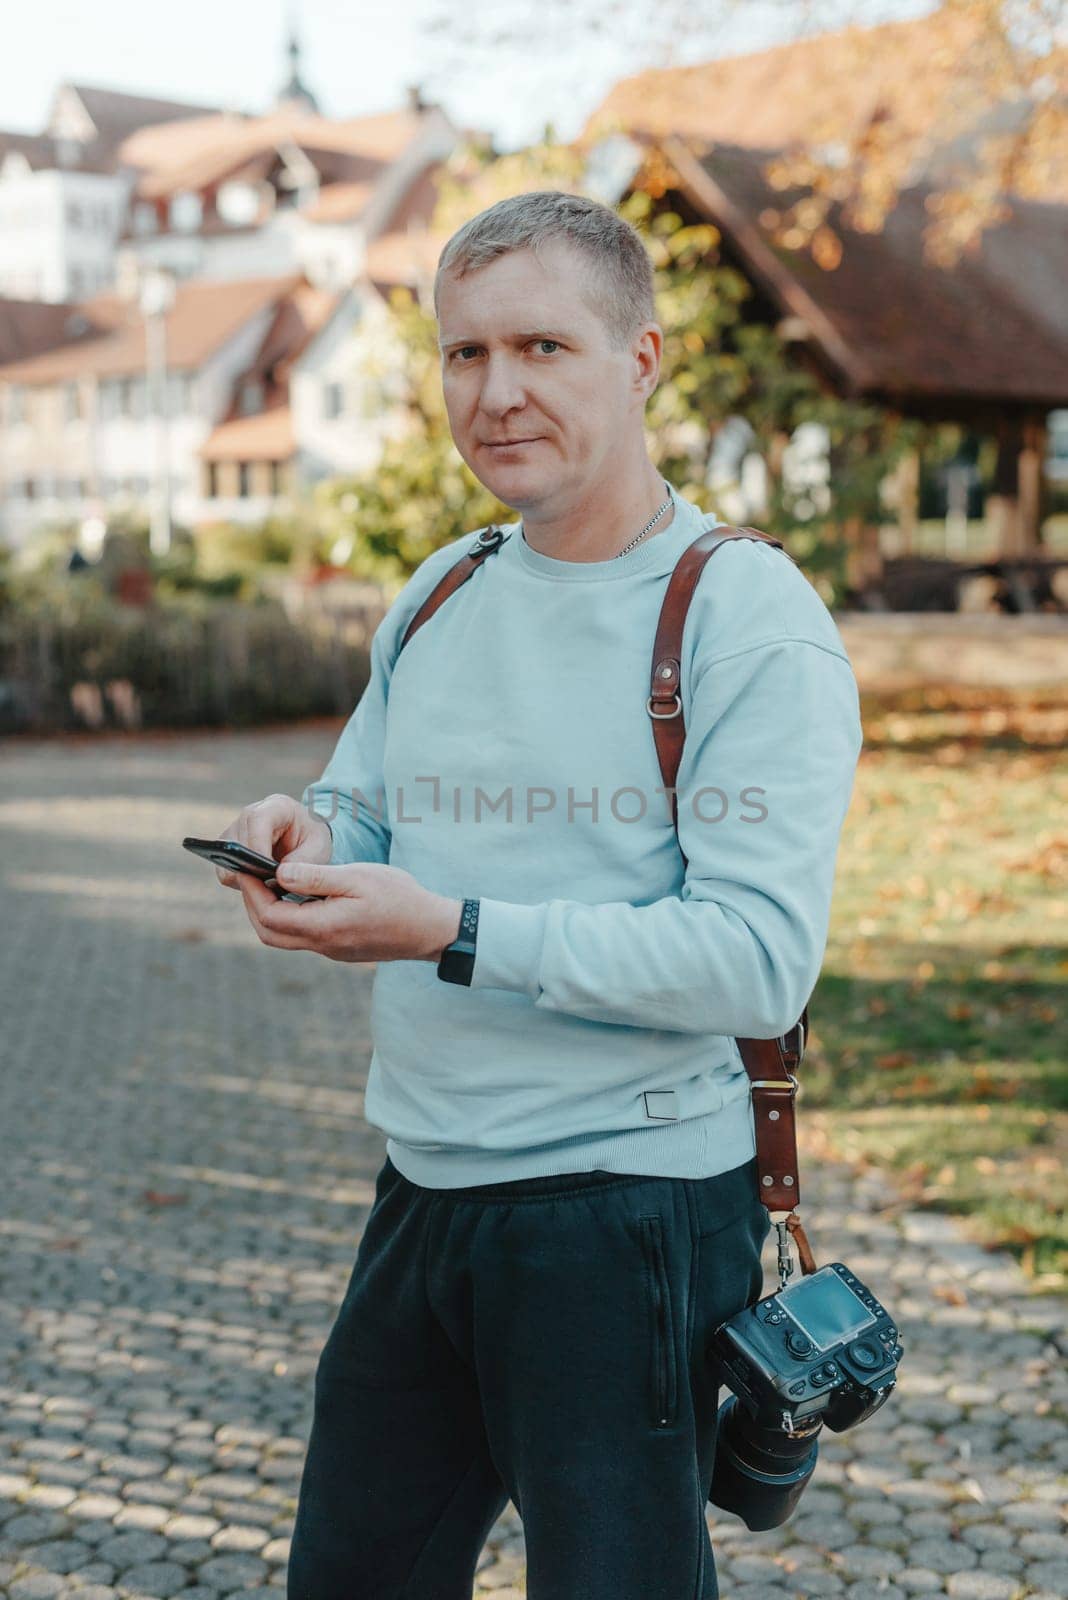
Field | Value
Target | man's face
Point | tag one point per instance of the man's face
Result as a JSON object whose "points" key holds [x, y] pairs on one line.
{"points": [[525, 357]]}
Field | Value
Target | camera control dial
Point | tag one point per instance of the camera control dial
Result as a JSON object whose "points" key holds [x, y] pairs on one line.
{"points": [[866, 1354]]}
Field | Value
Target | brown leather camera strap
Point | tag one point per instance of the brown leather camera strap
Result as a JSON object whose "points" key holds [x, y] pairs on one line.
{"points": [[488, 540], [770, 1063]]}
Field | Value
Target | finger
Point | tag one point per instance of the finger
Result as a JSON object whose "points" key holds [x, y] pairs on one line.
{"points": [[263, 906], [268, 824], [229, 880]]}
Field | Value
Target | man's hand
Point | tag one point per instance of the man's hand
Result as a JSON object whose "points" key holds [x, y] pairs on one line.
{"points": [[281, 828], [369, 913]]}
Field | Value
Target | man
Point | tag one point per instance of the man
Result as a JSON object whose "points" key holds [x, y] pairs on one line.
{"points": [[568, 1205]]}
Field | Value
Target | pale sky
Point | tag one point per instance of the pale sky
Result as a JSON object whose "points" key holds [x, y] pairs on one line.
{"points": [[359, 55]]}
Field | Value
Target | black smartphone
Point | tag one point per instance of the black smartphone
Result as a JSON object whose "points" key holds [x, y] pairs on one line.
{"points": [[234, 857]]}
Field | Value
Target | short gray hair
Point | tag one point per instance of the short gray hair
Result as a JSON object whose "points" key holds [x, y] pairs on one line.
{"points": [[621, 272]]}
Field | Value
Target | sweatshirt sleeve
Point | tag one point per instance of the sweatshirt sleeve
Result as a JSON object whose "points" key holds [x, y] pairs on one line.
{"points": [[773, 735], [350, 794]]}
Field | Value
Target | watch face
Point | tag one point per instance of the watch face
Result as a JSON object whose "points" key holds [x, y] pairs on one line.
{"points": [[457, 965]]}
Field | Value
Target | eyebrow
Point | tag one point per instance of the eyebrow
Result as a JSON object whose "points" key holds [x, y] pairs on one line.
{"points": [[516, 338]]}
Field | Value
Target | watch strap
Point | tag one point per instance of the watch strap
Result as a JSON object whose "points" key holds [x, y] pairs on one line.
{"points": [[457, 962]]}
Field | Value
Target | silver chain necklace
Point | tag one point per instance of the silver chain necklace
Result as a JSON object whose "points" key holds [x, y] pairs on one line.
{"points": [[652, 521]]}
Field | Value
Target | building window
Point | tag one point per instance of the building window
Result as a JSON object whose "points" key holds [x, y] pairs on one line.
{"points": [[132, 400], [250, 400], [238, 203], [186, 212], [144, 217], [277, 479], [243, 475], [213, 480], [333, 400], [181, 394], [107, 399]]}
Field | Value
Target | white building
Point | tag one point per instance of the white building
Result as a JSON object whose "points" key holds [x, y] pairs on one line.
{"points": [[272, 385], [64, 192]]}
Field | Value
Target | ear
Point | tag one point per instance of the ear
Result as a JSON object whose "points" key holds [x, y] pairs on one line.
{"points": [[648, 350]]}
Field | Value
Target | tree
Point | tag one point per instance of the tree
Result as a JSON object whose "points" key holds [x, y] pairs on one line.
{"points": [[973, 95]]}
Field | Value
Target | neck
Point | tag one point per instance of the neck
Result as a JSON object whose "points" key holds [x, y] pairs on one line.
{"points": [[597, 523]]}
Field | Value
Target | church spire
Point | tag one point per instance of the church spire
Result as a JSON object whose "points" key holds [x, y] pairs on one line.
{"points": [[295, 91]]}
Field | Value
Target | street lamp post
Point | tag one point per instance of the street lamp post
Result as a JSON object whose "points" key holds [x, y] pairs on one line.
{"points": [[157, 297]]}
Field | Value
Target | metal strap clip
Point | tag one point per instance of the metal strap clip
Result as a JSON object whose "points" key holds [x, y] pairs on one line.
{"points": [[488, 539], [801, 1041]]}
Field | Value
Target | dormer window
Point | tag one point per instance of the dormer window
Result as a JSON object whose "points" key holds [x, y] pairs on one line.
{"points": [[250, 400], [238, 203], [186, 212]]}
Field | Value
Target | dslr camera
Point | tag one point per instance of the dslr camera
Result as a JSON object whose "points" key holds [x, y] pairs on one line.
{"points": [[822, 1350]]}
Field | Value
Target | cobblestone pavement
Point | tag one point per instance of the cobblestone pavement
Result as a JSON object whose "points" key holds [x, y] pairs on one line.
{"points": [[186, 1175]]}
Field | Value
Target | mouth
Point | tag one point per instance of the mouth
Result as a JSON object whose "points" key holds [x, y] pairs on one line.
{"points": [[506, 444]]}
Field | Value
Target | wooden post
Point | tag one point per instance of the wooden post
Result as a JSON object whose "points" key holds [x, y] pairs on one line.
{"points": [[1032, 462], [1003, 502], [863, 558]]}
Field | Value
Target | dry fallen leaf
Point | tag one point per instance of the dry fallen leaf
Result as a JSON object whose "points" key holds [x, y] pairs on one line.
{"points": [[153, 1197], [950, 1294]]}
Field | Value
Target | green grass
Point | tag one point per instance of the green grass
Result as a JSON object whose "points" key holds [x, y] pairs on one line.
{"points": [[939, 1032], [980, 539]]}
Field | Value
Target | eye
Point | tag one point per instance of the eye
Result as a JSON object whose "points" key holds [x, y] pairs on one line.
{"points": [[454, 353], [555, 342]]}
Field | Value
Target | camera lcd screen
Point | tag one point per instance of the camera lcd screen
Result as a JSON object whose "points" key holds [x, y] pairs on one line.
{"points": [[831, 1315]]}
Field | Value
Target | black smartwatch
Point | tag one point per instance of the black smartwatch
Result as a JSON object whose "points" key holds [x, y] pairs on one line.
{"points": [[458, 958]]}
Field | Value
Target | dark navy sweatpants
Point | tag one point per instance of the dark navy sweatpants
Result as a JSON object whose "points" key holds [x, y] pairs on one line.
{"points": [[541, 1341]]}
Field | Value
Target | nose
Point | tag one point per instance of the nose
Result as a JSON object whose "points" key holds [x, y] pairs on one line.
{"points": [[502, 388]]}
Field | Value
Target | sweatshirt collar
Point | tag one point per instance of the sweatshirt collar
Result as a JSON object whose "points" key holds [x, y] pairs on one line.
{"points": [[657, 551]]}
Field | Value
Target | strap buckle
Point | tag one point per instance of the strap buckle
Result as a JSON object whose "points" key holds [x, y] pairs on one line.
{"points": [[774, 1083], [663, 716]]}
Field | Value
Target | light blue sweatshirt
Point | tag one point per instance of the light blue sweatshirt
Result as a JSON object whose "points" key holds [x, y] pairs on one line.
{"points": [[609, 984]]}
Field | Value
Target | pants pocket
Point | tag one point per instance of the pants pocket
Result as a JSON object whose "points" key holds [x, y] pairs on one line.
{"points": [[663, 1383]]}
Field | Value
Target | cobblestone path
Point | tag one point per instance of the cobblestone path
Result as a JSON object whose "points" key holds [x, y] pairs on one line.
{"points": [[186, 1173]]}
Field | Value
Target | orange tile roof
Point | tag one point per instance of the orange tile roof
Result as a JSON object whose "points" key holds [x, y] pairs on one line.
{"points": [[30, 326], [338, 202], [402, 258], [809, 89], [204, 315], [894, 326], [268, 436], [298, 317], [187, 155]]}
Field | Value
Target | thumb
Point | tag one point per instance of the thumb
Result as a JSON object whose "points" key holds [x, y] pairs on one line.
{"points": [[309, 877]]}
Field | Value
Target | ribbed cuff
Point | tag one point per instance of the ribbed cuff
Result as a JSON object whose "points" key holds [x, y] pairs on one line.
{"points": [[508, 946]]}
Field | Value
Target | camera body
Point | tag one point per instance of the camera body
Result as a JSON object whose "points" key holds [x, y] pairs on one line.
{"points": [[822, 1350]]}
